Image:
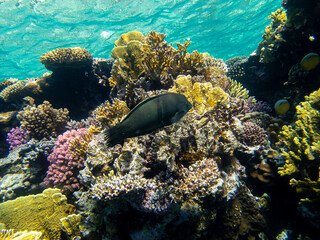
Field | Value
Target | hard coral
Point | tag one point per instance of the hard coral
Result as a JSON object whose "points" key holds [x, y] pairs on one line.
{"points": [[272, 36], [42, 212], [17, 89], [110, 114], [203, 96], [43, 120], [64, 164], [300, 141], [61, 58], [16, 137]]}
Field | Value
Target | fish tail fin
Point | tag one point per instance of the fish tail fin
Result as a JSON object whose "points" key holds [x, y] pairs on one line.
{"points": [[114, 135]]}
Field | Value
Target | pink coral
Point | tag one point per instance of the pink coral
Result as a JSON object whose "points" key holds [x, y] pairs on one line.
{"points": [[64, 165], [16, 137]]}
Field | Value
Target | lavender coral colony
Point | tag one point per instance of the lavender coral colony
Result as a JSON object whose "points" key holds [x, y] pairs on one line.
{"points": [[135, 162]]}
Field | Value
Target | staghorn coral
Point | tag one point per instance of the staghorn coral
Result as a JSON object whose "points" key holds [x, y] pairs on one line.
{"points": [[110, 114], [65, 164], [43, 120], [203, 96], [41, 212], [61, 58], [16, 137]]}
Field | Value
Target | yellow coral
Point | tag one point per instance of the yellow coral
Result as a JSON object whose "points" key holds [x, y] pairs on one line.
{"points": [[67, 58], [237, 90], [301, 141], [203, 96], [41, 212], [79, 145], [23, 235], [127, 37], [272, 35], [128, 64], [110, 114]]}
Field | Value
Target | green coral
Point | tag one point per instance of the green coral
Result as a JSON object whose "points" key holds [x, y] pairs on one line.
{"points": [[48, 213]]}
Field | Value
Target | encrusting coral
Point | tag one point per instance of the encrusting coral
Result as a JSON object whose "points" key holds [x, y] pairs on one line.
{"points": [[62, 58], [43, 212], [43, 120]]}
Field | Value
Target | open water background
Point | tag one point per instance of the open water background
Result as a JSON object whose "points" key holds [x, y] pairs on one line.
{"points": [[29, 28]]}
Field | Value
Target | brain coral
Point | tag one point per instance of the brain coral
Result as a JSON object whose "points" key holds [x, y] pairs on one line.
{"points": [[42, 212], [64, 164], [62, 58], [43, 120]]}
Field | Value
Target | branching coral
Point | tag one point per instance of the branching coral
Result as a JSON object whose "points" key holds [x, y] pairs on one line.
{"points": [[110, 114], [65, 164], [272, 36], [16, 137], [237, 90], [60, 58], [41, 212], [301, 141], [43, 120]]}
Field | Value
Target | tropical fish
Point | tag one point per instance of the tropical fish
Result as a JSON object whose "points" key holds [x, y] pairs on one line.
{"points": [[149, 115]]}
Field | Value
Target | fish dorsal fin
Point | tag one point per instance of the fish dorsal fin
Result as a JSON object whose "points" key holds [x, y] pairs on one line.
{"points": [[140, 103]]}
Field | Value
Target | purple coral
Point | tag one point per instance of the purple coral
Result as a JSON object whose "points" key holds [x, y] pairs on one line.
{"points": [[64, 164], [16, 137]]}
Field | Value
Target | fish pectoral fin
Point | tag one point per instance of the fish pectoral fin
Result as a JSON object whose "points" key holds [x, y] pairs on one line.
{"points": [[177, 116]]}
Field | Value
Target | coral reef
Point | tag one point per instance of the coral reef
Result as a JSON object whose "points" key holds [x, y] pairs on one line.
{"points": [[22, 171], [24, 235], [15, 89], [203, 96], [64, 163], [42, 212], [16, 137], [272, 36], [43, 120], [60, 58], [301, 141], [110, 114]]}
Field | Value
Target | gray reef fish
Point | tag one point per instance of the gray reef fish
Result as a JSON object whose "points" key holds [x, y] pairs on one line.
{"points": [[149, 115]]}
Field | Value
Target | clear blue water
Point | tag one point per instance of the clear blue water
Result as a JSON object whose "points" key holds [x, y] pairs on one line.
{"points": [[29, 28]]}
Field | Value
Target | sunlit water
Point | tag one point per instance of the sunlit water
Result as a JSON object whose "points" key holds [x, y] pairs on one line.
{"points": [[29, 28]]}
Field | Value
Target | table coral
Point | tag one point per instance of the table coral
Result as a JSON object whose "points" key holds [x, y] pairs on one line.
{"points": [[61, 58], [41, 212], [64, 164], [43, 120]]}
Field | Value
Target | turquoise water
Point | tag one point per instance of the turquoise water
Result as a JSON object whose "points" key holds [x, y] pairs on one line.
{"points": [[223, 28]]}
